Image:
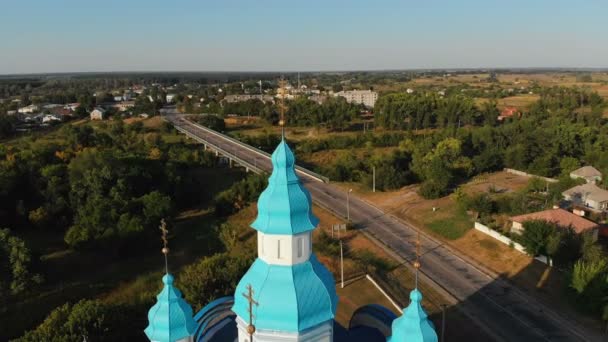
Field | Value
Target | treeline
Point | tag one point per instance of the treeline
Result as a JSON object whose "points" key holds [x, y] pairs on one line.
{"points": [[431, 110], [334, 113]]}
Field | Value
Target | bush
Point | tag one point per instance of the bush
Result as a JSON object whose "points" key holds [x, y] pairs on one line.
{"points": [[211, 278]]}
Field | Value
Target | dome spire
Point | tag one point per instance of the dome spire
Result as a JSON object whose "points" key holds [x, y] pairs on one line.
{"points": [[170, 319], [281, 94], [414, 324]]}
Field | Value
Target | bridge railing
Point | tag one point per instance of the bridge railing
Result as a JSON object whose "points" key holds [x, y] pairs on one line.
{"points": [[224, 152], [308, 172]]}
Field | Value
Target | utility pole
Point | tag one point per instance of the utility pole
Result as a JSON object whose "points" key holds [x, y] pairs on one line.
{"points": [[374, 179], [341, 264], [348, 205]]}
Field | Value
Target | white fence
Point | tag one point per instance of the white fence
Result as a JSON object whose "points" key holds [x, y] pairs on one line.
{"points": [[521, 173], [496, 235]]}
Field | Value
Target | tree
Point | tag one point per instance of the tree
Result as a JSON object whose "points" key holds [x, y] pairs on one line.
{"points": [[90, 320], [16, 258], [211, 278], [535, 236], [155, 206], [212, 122]]}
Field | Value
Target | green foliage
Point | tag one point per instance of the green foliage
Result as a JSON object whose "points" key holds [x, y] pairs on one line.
{"points": [[590, 283], [15, 262], [441, 167], [240, 194], [535, 236], [91, 320], [211, 121], [211, 278]]}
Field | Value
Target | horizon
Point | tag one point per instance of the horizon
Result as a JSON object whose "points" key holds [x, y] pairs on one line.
{"points": [[70, 36]]}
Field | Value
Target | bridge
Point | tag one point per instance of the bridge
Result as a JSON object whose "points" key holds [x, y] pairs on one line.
{"points": [[495, 305]]}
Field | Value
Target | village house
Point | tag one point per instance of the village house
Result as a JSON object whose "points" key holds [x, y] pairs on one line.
{"points": [[588, 195], [509, 112], [124, 105], [560, 217], [98, 113], [28, 109], [588, 173]]}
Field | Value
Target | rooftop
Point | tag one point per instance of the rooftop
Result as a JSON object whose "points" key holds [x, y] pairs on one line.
{"points": [[586, 171], [588, 191], [560, 217]]}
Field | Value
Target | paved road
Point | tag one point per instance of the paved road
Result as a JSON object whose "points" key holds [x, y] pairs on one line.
{"points": [[501, 309]]}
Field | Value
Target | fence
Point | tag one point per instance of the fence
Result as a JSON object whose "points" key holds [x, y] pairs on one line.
{"points": [[525, 174], [507, 241]]}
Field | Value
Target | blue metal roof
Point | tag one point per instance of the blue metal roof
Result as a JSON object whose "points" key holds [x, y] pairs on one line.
{"points": [[413, 325], [170, 319], [285, 206], [291, 298]]}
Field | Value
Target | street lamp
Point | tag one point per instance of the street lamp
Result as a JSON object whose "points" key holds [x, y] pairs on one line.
{"points": [[348, 205]]}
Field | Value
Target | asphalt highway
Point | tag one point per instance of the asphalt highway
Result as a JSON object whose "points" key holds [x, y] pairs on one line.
{"points": [[504, 311]]}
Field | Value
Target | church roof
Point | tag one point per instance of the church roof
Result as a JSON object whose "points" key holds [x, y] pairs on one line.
{"points": [[285, 206], [290, 298], [413, 325], [170, 319]]}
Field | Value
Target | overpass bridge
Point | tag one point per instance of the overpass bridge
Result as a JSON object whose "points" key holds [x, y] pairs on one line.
{"points": [[498, 307]]}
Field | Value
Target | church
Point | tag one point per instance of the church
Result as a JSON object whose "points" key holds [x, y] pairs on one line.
{"points": [[287, 294]]}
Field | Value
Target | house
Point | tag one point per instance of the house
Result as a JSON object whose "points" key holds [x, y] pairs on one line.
{"points": [[28, 109], [144, 115], [588, 195], [509, 112], [98, 113], [588, 173], [48, 118], [72, 106], [117, 98], [170, 98], [409, 91], [123, 106], [560, 217]]}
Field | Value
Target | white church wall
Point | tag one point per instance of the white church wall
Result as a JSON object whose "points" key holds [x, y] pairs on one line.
{"points": [[284, 249]]}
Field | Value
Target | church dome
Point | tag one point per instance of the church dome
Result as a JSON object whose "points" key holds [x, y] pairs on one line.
{"points": [[285, 206], [170, 319], [413, 325]]}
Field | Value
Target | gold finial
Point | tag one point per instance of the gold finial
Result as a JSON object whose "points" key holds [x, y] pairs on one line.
{"points": [[165, 240], [252, 302], [417, 264]]}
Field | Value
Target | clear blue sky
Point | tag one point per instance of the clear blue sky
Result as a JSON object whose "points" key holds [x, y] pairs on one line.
{"points": [[257, 35]]}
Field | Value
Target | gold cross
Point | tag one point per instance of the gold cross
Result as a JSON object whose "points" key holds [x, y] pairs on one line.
{"points": [[282, 103], [252, 302], [165, 240]]}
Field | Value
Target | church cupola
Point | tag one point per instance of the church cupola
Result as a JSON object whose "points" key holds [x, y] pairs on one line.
{"points": [[294, 294], [170, 319]]}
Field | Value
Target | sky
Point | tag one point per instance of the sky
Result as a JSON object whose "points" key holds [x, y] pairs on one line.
{"points": [[267, 35]]}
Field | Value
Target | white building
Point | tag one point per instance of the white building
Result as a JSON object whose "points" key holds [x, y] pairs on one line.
{"points": [[365, 97], [588, 195], [170, 98], [588, 173], [98, 113], [28, 109]]}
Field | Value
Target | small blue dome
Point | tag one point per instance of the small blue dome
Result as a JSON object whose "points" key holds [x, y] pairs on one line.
{"points": [[285, 206], [170, 319], [413, 325]]}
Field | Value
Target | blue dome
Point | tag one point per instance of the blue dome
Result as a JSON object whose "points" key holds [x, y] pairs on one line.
{"points": [[285, 206], [170, 319], [291, 298], [413, 325]]}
